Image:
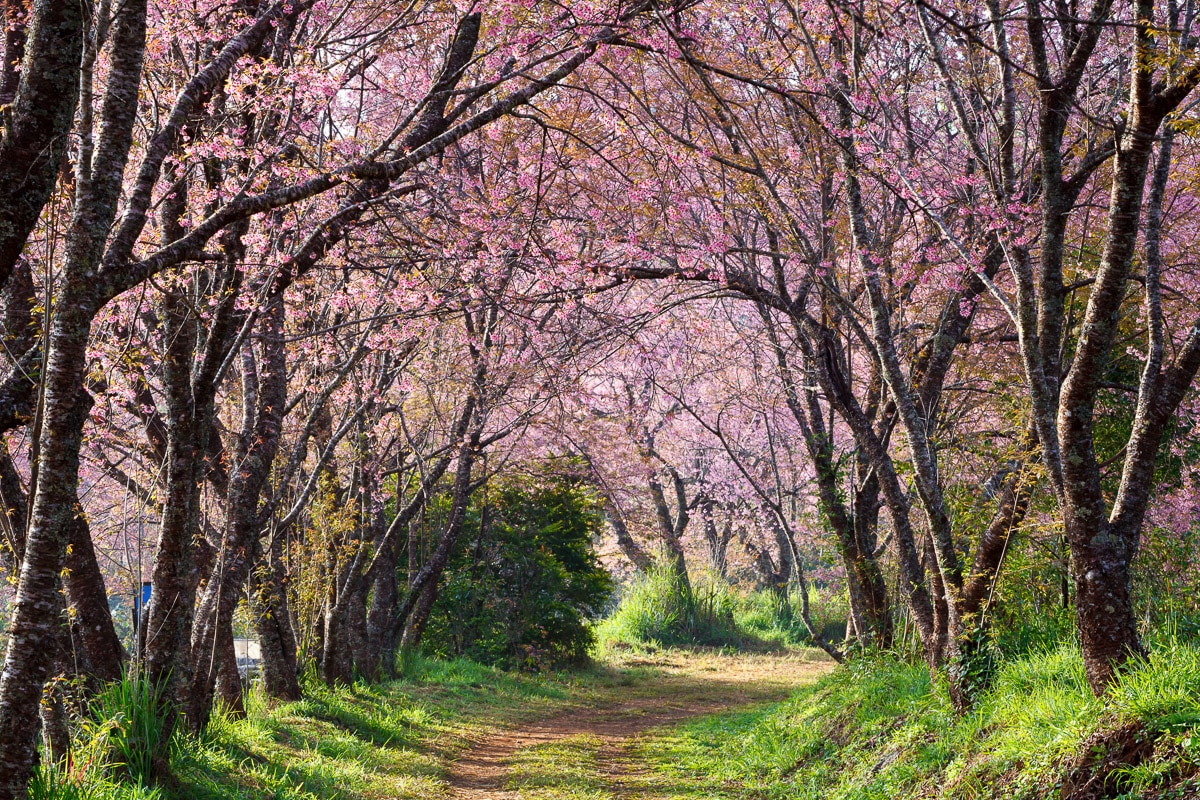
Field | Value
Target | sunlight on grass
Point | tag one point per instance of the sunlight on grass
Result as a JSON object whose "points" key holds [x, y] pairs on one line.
{"points": [[880, 729], [564, 770], [365, 741]]}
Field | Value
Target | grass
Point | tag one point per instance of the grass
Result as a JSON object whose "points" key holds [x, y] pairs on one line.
{"points": [[568, 769], [655, 611], [879, 729], [364, 741], [353, 742], [395, 740]]}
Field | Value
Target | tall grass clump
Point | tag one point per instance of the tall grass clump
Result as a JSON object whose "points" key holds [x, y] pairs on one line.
{"points": [[125, 716], [658, 608], [113, 748], [773, 617]]}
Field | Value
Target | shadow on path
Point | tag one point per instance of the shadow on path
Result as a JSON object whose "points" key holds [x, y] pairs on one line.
{"points": [[683, 685]]}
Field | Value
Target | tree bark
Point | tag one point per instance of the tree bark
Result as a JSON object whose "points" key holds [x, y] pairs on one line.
{"points": [[41, 99], [91, 619], [272, 623], [229, 681], [263, 409]]}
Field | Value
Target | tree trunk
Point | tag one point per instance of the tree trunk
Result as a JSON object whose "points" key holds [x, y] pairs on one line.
{"points": [[41, 100], [385, 593], [258, 442], [56, 736], [420, 618], [272, 622], [1104, 611], [414, 611], [633, 551], [35, 621], [91, 619], [337, 665], [174, 577], [229, 681], [356, 629]]}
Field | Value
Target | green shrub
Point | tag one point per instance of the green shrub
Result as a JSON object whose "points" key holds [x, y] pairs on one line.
{"points": [[658, 609], [524, 580]]}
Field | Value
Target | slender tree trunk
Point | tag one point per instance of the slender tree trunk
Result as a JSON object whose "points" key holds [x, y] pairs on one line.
{"points": [[419, 618], [263, 410], [672, 529], [173, 578], [385, 593], [229, 681], [91, 618], [56, 736], [633, 551], [272, 622], [337, 666], [414, 611], [356, 630]]}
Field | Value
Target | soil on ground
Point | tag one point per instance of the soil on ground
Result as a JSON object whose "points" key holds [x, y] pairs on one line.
{"points": [[677, 686]]}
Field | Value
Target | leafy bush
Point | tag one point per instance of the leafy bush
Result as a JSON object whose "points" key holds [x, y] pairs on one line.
{"points": [[524, 580], [657, 608]]}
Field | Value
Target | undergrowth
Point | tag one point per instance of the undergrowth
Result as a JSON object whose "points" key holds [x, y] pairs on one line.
{"points": [[387, 740], [878, 728], [657, 610]]}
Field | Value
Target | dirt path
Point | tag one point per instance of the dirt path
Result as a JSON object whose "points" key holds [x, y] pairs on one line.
{"points": [[682, 686]]}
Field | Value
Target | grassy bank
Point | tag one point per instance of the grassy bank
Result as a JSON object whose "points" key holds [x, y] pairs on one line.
{"points": [[642, 724], [878, 729], [391, 740]]}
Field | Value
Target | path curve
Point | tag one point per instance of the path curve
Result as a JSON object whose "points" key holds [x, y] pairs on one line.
{"points": [[681, 693]]}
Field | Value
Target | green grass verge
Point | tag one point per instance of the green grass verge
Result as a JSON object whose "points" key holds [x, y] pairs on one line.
{"points": [[878, 729], [366, 741], [363, 741]]}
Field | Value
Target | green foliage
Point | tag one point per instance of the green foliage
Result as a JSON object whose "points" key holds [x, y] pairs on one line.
{"points": [[125, 715], [879, 728], [1165, 577], [973, 666], [328, 533], [763, 615], [524, 581], [113, 748], [659, 609]]}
